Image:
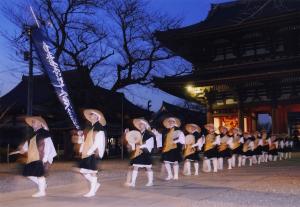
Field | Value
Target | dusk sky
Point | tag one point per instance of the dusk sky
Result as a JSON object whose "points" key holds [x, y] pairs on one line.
{"points": [[193, 11]]}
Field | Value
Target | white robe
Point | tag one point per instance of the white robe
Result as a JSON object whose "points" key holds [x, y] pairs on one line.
{"points": [[99, 144], [49, 150]]}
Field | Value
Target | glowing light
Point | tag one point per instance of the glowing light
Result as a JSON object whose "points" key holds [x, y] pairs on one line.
{"points": [[189, 88], [197, 91]]}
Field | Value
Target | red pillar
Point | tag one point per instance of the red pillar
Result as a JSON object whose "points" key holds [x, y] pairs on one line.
{"points": [[249, 124], [274, 113], [253, 121], [282, 122]]}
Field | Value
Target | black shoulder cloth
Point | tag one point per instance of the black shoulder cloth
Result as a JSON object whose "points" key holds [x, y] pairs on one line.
{"points": [[98, 127], [197, 135], [176, 128], [147, 135], [42, 134]]}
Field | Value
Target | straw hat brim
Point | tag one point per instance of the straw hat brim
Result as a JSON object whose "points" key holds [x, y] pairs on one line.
{"points": [[39, 119], [210, 126], [246, 133], [137, 121], [133, 137], [263, 130], [166, 122], [238, 129], [88, 112], [188, 128], [223, 127], [283, 135]]}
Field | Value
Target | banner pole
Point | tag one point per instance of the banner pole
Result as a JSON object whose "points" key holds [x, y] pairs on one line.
{"points": [[34, 16], [30, 74], [52, 69]]}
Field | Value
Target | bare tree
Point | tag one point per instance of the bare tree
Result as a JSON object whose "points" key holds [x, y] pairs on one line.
{"points": [[82, 40], [132, 38], [71, 26]]}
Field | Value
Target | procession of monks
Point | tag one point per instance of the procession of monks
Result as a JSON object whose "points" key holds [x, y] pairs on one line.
{"points": [[175, 143], [189, 144]]}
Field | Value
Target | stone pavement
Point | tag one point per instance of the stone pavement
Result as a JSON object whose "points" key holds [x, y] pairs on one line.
{"points": [[270, 184]]}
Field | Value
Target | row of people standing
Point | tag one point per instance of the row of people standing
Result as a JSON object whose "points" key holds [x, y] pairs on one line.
{"points": [[238, 148], [232, 146]]}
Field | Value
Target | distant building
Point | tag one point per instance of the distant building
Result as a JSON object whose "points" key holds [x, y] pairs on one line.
{"points": [[117, 109], [246, 62]]}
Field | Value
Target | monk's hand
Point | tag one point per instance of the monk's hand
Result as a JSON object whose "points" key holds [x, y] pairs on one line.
{"points": [[80, 133]]}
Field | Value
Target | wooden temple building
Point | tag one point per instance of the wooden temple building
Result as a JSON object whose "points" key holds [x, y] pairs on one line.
{"points": [[246, 62], [118, 110]]}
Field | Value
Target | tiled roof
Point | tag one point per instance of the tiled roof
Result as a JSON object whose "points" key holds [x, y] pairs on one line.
{"points": [[236, 13]]}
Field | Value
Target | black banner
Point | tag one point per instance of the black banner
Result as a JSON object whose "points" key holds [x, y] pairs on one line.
{"points": [[54, 72]]}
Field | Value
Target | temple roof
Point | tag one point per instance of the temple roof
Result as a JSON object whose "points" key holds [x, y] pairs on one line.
{"points": [[83, 94], [237, 73], [233, 14], [229, 21]]}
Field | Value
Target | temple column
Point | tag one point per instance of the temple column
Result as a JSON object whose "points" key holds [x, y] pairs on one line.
{"points": [[274, 118], [240, 97], [241, 115], [281, 119], [209, 113], [210, 97], [241, 118], [284, 120], [253, 122], [274, 113], [273, 90]]}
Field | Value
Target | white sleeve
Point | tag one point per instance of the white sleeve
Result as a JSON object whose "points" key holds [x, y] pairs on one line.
{"points": [[181, 138], [269, 141], [132, 146], [149, 144], [286, 144], [217, 141], [24, 147], [281, 144], [230, 142], [80, 139], [46, 150], [199, 143], [158, 137], [195, 145], [81, 142], [260, 142], [99, 143], [251, 145], [81, 148], [242, 140], [49, 151]]}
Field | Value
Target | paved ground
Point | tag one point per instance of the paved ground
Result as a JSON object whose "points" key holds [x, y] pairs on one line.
{"points": [[270, 184]]}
